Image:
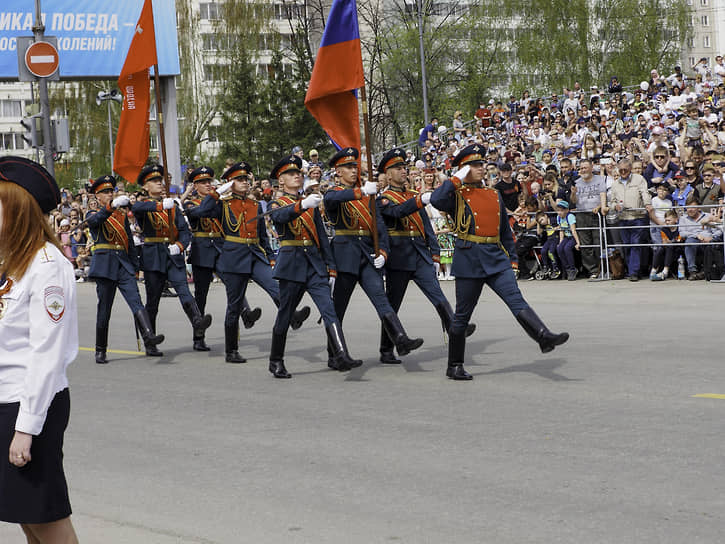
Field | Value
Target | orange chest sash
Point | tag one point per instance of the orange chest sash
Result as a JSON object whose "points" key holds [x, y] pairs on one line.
{"points": [[306, 220], [117, 230], [244, 210], [414, 218]]}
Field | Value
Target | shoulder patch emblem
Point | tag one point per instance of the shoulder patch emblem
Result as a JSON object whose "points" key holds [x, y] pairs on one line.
{"points": [[54, 302]]}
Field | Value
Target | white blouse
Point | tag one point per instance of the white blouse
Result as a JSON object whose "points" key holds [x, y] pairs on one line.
{"points": [[38, 337]]}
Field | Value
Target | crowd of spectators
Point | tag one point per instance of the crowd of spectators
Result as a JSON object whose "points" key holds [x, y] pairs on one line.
{"points": [[566, 166]]}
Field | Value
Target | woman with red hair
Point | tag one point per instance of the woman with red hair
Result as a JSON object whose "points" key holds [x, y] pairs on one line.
{"points": [[37, 287]]}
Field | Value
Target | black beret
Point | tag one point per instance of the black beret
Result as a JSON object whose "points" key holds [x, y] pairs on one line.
{"points": [[150, 172], [469, 154], [291, 163], [238, 170], [391, 158], [102, 183], [201, 173], [346, 156], [32, 177]]}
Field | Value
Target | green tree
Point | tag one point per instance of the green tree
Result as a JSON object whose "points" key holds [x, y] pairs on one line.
{"points": [[90, 154]]}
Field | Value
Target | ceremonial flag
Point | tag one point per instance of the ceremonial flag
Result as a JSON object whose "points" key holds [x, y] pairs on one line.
{"points": [[132, 140], [337, 74]]}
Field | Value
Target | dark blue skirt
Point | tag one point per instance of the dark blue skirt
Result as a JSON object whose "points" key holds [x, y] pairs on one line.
{"points": [[37, 492]]}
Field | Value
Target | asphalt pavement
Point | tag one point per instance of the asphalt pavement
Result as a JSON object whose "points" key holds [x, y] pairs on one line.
{"points": [[604, 440]]}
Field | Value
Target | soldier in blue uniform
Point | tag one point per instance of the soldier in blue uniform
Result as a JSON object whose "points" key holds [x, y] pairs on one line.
{"points": [[414, 249], [304, 263], [206, 244], [246, 252], [348, 208], [166, 236], [484, 255], [114, 263]]}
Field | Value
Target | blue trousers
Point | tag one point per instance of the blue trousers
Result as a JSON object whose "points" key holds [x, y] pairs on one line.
{"points": [[548, 253], [633, 255], [423, 276], [565, 250], [155, 283], [106, 292], [468, 291], [290, 295], [202, 280], [371, 280]]}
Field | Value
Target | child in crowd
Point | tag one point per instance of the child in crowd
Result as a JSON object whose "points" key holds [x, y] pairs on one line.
{"points": [[549, 240], [664, 257], [568, 238], [661, 203], [526, 234]]}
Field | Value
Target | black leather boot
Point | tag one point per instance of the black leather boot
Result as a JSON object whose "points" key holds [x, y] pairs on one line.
{"points": [[231, 344], [456, 353], [249, 316], [198, 322], [387, 357], [397, 333], [299, 317], [534, 327], [199, 343], [150, 339], [101, 345], [276, 356], [445, 312], [340, 359]]}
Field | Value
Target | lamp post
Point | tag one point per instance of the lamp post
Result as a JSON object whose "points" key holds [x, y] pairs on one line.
{"points": [[107, 96]]}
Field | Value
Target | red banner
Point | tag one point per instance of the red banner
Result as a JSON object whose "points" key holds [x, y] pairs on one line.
{"points": [[132, 140]]}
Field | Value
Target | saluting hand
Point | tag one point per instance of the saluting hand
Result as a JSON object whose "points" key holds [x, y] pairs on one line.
{"points": [[120, 201], [224, 188]]}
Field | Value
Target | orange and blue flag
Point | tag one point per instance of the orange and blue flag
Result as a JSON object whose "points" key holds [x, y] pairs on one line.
{"points": [[338, 72]]}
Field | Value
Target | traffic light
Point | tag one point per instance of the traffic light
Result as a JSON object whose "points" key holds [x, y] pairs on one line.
{"points": [[33, 134]]}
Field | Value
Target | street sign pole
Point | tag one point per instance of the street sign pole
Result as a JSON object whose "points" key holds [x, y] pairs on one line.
{"points": [[38, 31]]}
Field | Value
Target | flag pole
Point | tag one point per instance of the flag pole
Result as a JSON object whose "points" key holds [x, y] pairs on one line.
{"points": [[162, 142], [369, 153]]}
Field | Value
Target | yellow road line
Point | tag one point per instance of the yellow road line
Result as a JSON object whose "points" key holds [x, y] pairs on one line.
{"points": [[121, 351], [709, 396]]}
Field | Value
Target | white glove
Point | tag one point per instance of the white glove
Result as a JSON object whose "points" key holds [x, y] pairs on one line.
{"points": [[168, 203], [378, 261], [311, 201], [370, 188], [425, 198], [437, 267], [120, 201], [331, 281], [174, 249], [224, 188], [462, 173]]}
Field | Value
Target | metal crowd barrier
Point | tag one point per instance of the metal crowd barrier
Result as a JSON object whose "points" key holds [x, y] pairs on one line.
{"points": [[604, 245]]}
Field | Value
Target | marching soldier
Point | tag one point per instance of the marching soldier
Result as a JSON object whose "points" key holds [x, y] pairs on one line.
{"points": [[484, 255], [166, 236], [245, 250], [206, 244], [304, 263], [348, 208], [414, 249], [114, 263]]}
